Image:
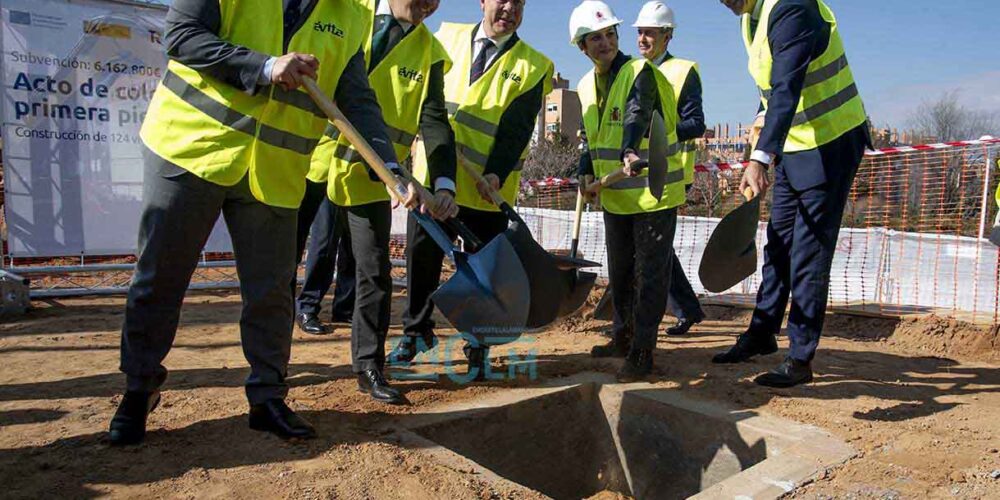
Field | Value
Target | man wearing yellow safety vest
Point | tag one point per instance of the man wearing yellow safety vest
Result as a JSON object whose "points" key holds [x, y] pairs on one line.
{"points": [[618, 98], [655, 25], [406, 68], [814, 135], [494, 91], [229, 131], [995, 232]]}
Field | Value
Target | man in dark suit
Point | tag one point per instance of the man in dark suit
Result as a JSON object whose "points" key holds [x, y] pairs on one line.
{"points": [[814, 135], [229, 131]]}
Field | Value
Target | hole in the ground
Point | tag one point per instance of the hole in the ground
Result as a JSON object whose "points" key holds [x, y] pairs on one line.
{"points": [[580, 441]]}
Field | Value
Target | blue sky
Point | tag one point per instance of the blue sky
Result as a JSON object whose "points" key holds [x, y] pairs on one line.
{"points": [[902, 51]]}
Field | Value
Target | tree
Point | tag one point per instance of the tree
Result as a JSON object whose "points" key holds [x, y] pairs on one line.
{"points": [[551, 158], [947, 120]]}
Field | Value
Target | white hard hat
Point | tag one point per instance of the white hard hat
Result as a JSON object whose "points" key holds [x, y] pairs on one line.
{"points": [[655, 15], [589, 17]]}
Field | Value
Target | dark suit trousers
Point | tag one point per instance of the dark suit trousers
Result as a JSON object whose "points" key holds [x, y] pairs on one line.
{"points": [[369, 226], [809, 194], [324, 225], [179, 211], [423, 265], [682, 301], [640, 251]]}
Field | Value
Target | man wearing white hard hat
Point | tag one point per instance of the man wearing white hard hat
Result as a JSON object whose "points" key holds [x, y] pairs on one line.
{"points": [[619, 97], [655, 26]]}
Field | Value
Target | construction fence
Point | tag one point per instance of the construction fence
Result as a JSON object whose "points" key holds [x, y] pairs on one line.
{"points": [[912, 240]]}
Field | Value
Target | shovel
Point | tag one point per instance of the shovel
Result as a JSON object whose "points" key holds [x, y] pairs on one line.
{"points": [[995, 232], [657, 166], [488, 294], [731, 253], [553, 280], [583, 281]]}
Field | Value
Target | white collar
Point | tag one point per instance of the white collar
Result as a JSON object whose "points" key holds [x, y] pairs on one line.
{"points": [[499, 41], [384, 9]]}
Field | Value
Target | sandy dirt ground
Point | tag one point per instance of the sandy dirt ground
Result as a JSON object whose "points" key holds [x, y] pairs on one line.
{"points": [[918, 399]]}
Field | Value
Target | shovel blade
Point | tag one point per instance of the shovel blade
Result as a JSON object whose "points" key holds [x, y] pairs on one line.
{"points": [[579, 287], [658, 162], [731, 253], [605, 308], [488, 296], [995, 235]]}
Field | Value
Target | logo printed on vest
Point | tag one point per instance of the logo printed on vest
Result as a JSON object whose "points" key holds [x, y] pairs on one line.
{"points": [[616, 114], [411, 74], [330, 28], [511, 76]]}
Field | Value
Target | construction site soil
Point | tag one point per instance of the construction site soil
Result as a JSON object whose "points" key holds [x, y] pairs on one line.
{"points": [[918, 399]]}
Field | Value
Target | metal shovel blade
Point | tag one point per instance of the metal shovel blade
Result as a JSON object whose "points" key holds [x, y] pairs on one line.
{"points": [[731, 253], [579, 285], [488, 296], [995, 235], [658, 163], [605, 308]]}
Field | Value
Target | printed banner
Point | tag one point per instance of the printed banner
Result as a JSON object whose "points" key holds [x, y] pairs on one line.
{"points": [[77, 79]]}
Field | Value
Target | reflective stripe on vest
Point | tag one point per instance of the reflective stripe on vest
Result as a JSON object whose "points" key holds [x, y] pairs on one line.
{"points": [[221, 133], [830, 104], [475, 109], [677, 70], [606, 135], [400, 84]]}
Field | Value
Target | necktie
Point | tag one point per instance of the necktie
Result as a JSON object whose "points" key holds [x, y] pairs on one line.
{"points": [[292, 11], [479, 65], [385, 39]]}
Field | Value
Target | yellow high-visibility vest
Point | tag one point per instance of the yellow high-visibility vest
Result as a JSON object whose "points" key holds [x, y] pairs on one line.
{"points": [[605, 136], [998, 187], [400, 84], [830, 104], [221, 133], [475, 110], [677, 70]]}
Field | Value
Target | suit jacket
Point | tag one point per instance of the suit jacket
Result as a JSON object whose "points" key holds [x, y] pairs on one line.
{"points": [[798, 34], [192, 39]]}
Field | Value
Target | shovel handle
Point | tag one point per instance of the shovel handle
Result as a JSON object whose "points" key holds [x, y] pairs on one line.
{"points": [[748, 193], [575, 243], [495, 195], [397, 188], [607, 180]]}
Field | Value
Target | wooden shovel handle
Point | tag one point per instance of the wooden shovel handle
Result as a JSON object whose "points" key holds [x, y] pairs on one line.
{"points": [[396, 187], [607, 180], [495, 196]]}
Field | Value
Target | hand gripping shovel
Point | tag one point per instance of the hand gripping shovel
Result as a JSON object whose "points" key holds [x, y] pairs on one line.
{"points": [[657, 168], [731, 253], [553, 281], [488, 294]]}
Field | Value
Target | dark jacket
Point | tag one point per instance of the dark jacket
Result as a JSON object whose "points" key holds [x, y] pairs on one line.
{"points": [[797, 35], [192, 39], [516, 125], [643, 100]]}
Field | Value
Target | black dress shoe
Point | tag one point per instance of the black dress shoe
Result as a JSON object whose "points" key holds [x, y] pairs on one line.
{"points": [[790, 373], [276, 417], [410, 347], [682, 327], [310, 324], [128, 426], [372, 382], [617, 348], [638, 365], [748, 346]]}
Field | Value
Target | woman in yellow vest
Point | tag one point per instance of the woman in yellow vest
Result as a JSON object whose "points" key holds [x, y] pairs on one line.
{"points": [[814, 135], [406, 67], [494, 93], [619, 98], [655, 25], [229, 131]]}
